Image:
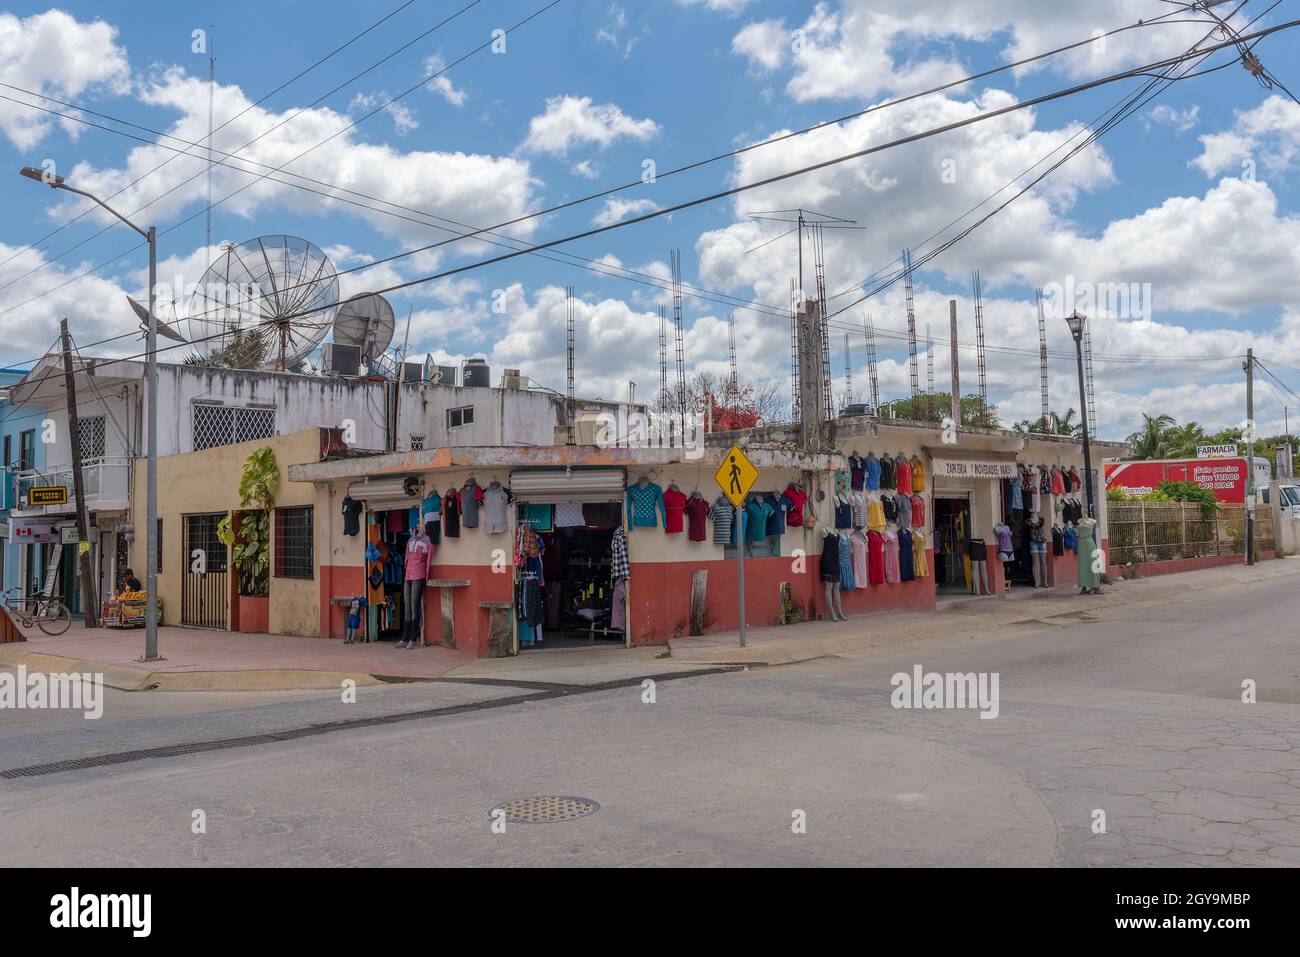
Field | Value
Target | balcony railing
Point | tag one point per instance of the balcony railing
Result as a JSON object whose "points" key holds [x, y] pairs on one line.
{"points": [[107, 484]]}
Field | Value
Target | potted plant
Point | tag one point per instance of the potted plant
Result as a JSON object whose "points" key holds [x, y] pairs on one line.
{"points": [[249, 538]]}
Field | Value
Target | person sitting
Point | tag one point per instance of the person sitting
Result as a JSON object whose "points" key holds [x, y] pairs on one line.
{"points": [[130, 582]]}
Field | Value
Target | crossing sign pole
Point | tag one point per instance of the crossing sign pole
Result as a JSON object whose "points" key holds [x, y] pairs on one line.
{"points": [[736, 476]]}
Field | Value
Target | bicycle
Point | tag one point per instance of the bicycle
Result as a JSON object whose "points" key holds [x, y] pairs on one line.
{"points": [[48, 614]]}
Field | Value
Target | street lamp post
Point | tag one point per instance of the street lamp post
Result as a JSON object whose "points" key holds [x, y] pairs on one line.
{"points": [[1076, 323], [55, 181]]}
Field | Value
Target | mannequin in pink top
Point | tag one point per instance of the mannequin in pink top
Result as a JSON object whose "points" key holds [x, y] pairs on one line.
{"points": [[419, 552]]}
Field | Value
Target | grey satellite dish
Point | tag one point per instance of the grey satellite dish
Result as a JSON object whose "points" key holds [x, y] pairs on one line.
{"points": [[365, 320], [267, 303], [164, 330]]}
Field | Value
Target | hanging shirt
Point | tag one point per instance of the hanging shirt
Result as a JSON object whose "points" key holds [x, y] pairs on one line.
{"points": [[351, 516], [1058, 481], [829, 563], [906, 557], [418, 551], [904, 510], [451, 512], [890, 506], [619, 569], [776, 520], [540, 517], [495, 509], [920, 564], [1058, 541], [888, 473], [1076, 482], [918, 474], [858, 471], [903, 476], [873, 471], [918, 510], [674, 510], [569, 515], [1017, 496], [644, 505], [724, 516], [875, 515], [876, 557], [797, 499], [859, 543], [758, 511], [697, 511], [893, 573], [843, 512], [431, 507], [859, 510], [471, 497]]}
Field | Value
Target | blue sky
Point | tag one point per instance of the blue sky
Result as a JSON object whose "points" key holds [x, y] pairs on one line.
{"points": [[1194, 195]]}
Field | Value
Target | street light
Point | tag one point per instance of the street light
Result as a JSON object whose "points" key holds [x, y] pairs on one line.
{"points": [[1076, 323], [54, 181]]}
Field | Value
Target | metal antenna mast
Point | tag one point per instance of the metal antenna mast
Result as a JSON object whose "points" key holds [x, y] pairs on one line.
{"points": [[663, 359], [796, 306], [677, 331], [733, 386], [911, 328], [929, 371], [828, 399], [869, 330], [979, 335], [212, 82], [848, 371], [1042, 363], [1087, 367], [568, 405]]}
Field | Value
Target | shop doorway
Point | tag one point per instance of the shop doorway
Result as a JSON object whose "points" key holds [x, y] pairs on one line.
{"points": [[205, 592], [952, 529], [388, 532], [565, 598]]}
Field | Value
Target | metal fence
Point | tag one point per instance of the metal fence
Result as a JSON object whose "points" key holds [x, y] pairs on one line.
{"points": [[1141, 532]]}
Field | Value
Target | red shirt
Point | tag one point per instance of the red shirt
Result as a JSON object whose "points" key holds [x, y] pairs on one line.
{"points": [[697, 513], [796, 499], [918, 511], [904, 478], [674, 507]]}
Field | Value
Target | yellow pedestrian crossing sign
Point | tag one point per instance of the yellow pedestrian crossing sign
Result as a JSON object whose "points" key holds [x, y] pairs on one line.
{"points": [[736, 476]]}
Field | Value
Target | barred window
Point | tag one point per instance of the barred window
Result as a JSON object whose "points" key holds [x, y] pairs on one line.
{"points": [[417, 443], [215, 425], [90, 429], [293, 542]]}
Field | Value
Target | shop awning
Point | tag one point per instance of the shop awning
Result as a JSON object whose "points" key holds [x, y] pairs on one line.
{"points": [[384, 494], [548, 486]]}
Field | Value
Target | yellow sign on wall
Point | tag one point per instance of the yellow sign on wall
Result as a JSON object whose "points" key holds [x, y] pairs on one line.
{"points": [[47, 495], [736, 476]]}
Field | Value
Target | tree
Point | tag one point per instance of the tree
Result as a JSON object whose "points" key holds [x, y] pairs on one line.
{"points": [[935, 407], [251, 554], [742, 405], [1152, 440]]}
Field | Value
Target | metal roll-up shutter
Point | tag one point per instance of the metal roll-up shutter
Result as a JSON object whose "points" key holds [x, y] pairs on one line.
{"points": [[386, 494], [548, 486]]}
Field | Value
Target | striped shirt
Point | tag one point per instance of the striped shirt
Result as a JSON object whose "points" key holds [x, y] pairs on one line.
{"points": [[724, 517]]}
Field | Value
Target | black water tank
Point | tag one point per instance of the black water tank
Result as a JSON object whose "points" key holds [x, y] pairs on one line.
{"points": [[476, 373]]}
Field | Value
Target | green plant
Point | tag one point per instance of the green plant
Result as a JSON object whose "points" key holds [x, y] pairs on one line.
{"points": [[251, 550], [1186, 492]]}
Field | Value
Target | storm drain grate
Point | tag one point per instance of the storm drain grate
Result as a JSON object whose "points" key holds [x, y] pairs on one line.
{"points": [[546, 810]]}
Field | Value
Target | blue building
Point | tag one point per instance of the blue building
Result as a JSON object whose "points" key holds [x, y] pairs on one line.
{"points": [[20, 430]]}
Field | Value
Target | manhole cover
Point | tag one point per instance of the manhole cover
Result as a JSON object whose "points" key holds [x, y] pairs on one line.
{"points": [[546, 810]]}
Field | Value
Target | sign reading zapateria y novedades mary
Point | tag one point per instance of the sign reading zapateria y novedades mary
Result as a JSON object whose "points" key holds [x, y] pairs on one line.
{"points": [[973, 468]]}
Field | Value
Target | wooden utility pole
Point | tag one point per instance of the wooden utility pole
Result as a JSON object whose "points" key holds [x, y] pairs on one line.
{"points": [[956, 375], [1250, 456], [89, 602]]}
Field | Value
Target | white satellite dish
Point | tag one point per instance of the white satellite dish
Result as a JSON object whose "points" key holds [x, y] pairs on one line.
{"points": [[365, 320], [273, 298]]}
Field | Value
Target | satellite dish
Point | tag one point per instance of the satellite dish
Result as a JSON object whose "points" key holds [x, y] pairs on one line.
{"points": [[365, 320], [431, 371], [384, 364], [267, 303], [164, 330]]}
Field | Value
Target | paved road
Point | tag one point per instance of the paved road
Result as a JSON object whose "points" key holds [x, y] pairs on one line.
{"points": [[1133, 711]]}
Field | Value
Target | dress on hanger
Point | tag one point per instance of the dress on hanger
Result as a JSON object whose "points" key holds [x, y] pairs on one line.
{"points": [[906, 557], [876, 557], [859, 543], [892, 570]]}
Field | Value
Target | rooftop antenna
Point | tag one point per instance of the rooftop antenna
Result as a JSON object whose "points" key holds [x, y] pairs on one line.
{"points": [[869, 330], [979, 335], [568, 405], [828, 398], [929, 371], [848, 371], [680, 338], [733, 386], [1042, 363], [911, 326], [212, 82], [804, 218], [1087, 374]]}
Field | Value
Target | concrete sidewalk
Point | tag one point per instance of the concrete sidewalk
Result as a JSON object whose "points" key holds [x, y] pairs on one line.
{"points": [[203, 660]]}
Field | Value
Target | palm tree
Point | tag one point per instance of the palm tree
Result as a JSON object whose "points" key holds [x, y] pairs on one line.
{"points": [[1065, 425], [1152, 440]]}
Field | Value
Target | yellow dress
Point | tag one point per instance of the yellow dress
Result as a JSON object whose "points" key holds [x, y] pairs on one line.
{"points": [[918, 475], [918, 555]]}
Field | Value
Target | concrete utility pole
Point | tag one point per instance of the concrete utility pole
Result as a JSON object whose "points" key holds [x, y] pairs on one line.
{"points": [[89, 603], [956, 375], [1249, 366]]}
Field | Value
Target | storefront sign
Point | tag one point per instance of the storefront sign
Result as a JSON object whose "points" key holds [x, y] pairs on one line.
{"points": [[1215, 451], [32, 530], [973, 468], [69, 535], [47, 495]]}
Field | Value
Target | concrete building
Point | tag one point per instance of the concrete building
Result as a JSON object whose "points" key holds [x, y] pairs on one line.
{"points": [[20, 427]]}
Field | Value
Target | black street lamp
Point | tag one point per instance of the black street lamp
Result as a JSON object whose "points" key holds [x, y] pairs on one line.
{"points": [[1077, 323]]}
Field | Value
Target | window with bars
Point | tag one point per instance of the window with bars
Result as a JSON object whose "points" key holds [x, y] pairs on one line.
{"points": [[90, 430], [417, 443], [293, 542], [215, 425]]}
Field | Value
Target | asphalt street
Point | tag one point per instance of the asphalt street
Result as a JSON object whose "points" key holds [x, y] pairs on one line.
{"points": [[1132, 715]]}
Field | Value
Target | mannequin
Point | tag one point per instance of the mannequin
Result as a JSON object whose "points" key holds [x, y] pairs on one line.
{"points": [[1037, 549], [830, 573], [419, 550], [979, 562], [1089, 577], [1005, 553]]}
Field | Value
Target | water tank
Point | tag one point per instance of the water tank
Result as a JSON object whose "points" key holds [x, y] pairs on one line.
{"points": [[476, 373]]}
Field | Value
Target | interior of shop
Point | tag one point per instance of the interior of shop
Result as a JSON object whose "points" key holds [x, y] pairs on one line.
{"points": [[387, 534], [564, 595], [951, 531]]}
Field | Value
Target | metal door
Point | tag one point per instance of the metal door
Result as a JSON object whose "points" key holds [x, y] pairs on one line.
{"points": [[205, 593]]}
